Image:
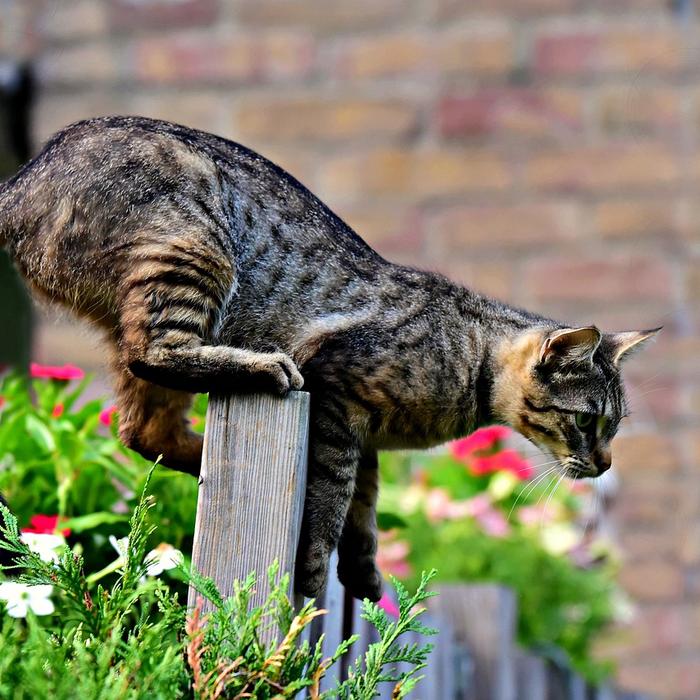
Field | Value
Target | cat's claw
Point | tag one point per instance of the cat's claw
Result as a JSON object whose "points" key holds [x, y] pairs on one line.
{"points": [[283, 373]]}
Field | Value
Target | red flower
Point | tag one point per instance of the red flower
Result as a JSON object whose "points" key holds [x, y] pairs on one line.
{"points": [[63, 374], [503, 461], [45, 525], [480, 441], [106, 415], [57, 411], [482, 453], [3, 401]]}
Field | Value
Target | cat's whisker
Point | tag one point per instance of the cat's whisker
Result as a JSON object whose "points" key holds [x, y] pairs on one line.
{"points": [[531, 487], [549, 498]]}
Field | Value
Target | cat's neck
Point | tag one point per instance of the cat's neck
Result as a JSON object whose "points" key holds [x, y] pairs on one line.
{"points": [[505, 335]]}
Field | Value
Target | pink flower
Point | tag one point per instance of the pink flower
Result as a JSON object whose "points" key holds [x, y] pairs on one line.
{"points": [[388, 605], [493, 523], [57, 411], [490, 519], [195, 421], [480, 441], [391, 555], [3, 401], [63, 374], [439, 506], [106, 415], [505, 460], [45, 525], [534, 515]]}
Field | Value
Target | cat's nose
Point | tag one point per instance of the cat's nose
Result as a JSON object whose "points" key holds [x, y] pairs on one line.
{"points": [[602, 458]]}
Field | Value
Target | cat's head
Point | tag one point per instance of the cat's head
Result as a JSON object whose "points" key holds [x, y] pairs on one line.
{"points": [[562, 389]]}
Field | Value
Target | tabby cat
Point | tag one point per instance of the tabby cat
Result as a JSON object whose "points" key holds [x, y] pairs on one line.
{"points": [[211, 269]]}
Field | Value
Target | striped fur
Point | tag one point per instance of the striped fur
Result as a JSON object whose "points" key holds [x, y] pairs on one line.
{"points": [[208, 267]]}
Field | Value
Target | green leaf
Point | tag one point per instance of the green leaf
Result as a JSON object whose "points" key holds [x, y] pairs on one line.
{"points": [[88, 522], [389, 521], [41, 435]]}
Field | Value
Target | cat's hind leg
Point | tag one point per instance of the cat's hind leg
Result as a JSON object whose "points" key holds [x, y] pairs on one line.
{"points": [[153, 421]]}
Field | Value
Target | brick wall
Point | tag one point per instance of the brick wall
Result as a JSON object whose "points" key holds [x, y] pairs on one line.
{"points": [[545, 151]]}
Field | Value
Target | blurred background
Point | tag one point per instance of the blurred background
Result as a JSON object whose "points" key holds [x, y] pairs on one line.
{"points": [[543, 151]]}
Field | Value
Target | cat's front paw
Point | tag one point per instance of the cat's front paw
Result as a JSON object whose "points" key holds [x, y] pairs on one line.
{"points": [[311, 574], [282, 375], [361, 578]]}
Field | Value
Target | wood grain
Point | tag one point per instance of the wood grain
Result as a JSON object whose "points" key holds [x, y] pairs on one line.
{"points": [[251, 488], [483, 618]]}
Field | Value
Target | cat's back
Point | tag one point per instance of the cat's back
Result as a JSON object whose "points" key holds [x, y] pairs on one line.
{"points": [[123, 168]]}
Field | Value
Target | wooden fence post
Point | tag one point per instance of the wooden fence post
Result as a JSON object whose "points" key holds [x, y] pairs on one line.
{"points": [[251, 488], [483, 618]]}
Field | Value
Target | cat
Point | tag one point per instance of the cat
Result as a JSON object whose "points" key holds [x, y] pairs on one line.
{"points": [[211, 269]]}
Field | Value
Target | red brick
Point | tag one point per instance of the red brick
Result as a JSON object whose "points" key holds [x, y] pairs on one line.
{"points": [[454, 9], [619, 219], [396, 233], [640, 454], [664, 678], [135, 14], [495, 278], [521, 227], [659, 629], [486, 50], [197, 109], [603, 169], [319, 15], [522, 113], [386, 55], [647, 502], [634, 111], [330, 120], [584, 52], [640, 544], [656, 397], [610, 279], [18, 40], [93, 63], [236, 59], [77, 19], [653, 580], [418, 174]]}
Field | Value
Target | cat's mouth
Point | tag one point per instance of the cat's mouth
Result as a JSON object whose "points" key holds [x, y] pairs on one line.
{"points": [[575, 468]]}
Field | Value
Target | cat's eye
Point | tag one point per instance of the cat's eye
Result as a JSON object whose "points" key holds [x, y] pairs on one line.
{"points": [[585, 421]]}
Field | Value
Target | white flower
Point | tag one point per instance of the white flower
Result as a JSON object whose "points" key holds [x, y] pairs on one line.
{"points": [[43, 544], [120, 545], [163, 557], [20, 599]]}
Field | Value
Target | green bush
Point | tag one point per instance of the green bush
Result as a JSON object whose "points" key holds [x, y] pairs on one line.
{"points": [[135, 640], [480, 510]]}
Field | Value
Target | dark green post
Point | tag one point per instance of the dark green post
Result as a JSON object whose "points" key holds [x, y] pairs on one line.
{"points": [[15, 306]]}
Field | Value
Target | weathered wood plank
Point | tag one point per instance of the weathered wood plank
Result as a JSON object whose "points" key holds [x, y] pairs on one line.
{"points": [[531, 677], [252, 488], [331, 624], [483, 618]]}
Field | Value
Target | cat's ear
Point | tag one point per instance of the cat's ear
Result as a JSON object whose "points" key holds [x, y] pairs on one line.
{"points": [[624, 344], [570, 345]]}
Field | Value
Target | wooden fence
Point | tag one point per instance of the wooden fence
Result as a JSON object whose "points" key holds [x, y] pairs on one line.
{"points": [[251, 498]]}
